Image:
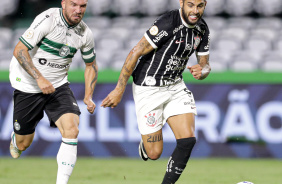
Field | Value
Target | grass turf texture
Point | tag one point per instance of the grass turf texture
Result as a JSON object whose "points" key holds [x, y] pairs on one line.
{"points": [[134, 171], [227, 77]]}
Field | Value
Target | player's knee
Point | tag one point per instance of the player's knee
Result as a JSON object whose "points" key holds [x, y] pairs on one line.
{"points": [[71, 133], [154, 154]]}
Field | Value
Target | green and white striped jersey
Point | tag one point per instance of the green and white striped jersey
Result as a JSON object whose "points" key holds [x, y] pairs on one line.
{"points": [[52, 43]]}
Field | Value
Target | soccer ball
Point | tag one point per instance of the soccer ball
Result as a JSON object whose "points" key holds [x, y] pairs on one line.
{"points": [[245, 182]]}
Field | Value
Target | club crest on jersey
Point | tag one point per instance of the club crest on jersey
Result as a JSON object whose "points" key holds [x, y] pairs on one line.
{"points": [[197, 41], [154, 30], [64, 51], [151, 120]]}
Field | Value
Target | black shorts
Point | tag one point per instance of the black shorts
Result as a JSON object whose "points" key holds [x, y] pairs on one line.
{"points": [[29, 108]]}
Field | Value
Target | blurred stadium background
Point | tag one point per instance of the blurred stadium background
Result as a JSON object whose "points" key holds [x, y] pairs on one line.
{"points": [[246, 34], [239, 105]]}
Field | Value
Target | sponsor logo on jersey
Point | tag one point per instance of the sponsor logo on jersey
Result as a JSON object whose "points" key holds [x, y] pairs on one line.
{"points": [[47, 16], [160, 36], [150, 81], [42, 61], [178, 42], [178, 28], [154, 30], [207, 47], [17, 126], [175, 63], [64, 51], [171, 81], [188, 47], [151, 120], [55, 65], [29, 34]]}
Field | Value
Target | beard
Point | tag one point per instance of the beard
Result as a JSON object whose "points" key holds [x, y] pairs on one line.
{"points": [[70, 21], [186, 19]]}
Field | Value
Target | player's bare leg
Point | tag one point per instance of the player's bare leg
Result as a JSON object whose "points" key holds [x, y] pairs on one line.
{"points": [[153, 144], [19, 143], [183, 127], [67, 154]]}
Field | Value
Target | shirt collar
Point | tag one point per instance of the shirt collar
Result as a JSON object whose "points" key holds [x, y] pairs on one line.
{"points": [[65, 21]]}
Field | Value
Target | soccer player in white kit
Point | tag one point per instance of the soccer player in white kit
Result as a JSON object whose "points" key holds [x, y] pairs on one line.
{"points": [[156, 64], [38, 72]]}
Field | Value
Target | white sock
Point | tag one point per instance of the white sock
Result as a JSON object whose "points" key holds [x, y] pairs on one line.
{"points": [[66, 159]]}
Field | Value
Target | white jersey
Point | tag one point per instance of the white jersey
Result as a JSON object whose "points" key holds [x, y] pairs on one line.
{"points": [[52, 43]]}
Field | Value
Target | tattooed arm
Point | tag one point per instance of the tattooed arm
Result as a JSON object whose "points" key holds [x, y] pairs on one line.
{"points": [[23, 57], [201, 70], [90, 75], [142, 48]]}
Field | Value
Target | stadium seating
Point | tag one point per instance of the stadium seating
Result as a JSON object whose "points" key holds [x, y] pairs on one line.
{"points": [[268, 7], [245, 35], [215, 7], [239, 8]]}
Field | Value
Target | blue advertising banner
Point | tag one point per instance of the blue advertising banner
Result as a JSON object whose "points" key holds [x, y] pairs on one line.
{"points": [[233, 121]]}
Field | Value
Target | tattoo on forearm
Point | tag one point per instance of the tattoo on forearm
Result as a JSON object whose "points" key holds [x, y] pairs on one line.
{"points": [[144, 45], [27, 64], [122, 81], [155, 138], [203, 60], [131, 61], [126, 69]]}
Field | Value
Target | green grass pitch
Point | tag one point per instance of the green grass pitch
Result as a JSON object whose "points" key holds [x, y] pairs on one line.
{"points": [[30, 170]]}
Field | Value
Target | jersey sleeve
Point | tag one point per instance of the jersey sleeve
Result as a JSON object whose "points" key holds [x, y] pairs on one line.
{"points": [[160, 31], [203, 48], [39, 28], [88, 50]]}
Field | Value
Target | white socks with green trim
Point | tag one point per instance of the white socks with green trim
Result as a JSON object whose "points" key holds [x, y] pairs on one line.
{"points": [[66, 159]]}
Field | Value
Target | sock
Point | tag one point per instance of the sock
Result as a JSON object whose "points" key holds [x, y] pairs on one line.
{"points": [[66, 159], [178, 160], [14, 142]]}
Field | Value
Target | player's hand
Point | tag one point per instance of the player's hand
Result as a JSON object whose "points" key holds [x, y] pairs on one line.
{"points": [[113, 99], [90, 105], [45, 85], [196, 71]]}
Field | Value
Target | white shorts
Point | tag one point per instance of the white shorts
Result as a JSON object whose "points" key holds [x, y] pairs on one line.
{"points": [[154, 105]]}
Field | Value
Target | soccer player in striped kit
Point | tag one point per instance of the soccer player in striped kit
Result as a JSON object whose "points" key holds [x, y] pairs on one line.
{"points": [[38, 72], [156, 64]]}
